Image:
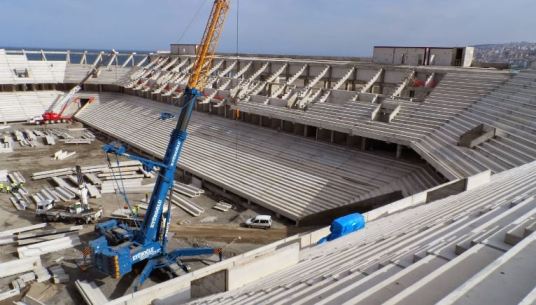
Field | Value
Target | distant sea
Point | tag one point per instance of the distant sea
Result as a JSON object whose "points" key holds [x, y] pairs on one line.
{"points": [[75, 58]]}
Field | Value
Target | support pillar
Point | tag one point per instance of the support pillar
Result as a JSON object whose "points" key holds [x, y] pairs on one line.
{"points": [[305, 131], [363, 143], [398, 151], [332, 136]]}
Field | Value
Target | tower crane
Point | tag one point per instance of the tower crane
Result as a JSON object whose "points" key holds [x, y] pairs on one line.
{"points": [[121, 246]]}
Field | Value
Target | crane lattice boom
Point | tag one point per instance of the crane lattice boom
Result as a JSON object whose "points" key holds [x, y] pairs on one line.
{"points": [[209, 43]]}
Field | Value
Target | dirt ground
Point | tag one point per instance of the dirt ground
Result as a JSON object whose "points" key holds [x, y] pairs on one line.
{"points": [[213, 228]]}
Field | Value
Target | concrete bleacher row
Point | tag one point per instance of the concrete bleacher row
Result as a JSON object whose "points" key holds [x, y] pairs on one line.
{"points": [[54, 71], [476, 247], [22, 105], [38, 71], [510, 108], [291, 175], [455, 92], [114, 74]]}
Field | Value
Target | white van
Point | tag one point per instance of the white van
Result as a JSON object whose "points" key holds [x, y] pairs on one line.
{"points": [[260, 221]]}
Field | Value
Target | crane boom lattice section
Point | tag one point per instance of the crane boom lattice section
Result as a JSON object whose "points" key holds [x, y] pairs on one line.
{"points": [[209, 43]]}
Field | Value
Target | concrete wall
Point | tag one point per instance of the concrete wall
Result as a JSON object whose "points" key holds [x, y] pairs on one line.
{"points": [[478, 180], [183, 49], [258, 267], [383, 56], [326, 217], [415, 56], [443, 57], [468, 56], [210, 284], [166, 291], [398, 55], [252, 265]]}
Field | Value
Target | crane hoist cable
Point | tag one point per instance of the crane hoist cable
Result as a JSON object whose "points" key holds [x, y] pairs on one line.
{"points": [[237, 49], [121, 189], [194, 17]]}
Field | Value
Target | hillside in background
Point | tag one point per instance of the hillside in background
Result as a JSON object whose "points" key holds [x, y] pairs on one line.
{"points": [[517, 54]]}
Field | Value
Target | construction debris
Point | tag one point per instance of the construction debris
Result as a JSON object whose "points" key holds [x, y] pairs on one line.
{"points": [[61, 155]]}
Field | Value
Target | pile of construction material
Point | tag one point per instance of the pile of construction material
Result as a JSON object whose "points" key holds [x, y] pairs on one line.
{"points": [[44, 136], [121, 177], [178, 198], [16, 177], [74, 135], [20, 197], [222, 206], [58, 274], [34, 241], [187, 189]]}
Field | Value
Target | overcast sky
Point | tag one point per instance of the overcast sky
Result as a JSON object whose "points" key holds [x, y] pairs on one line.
{"points": [[309, 27]]}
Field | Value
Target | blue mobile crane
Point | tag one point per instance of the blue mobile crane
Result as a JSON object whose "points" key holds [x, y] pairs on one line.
{"points": [[121, 246]]}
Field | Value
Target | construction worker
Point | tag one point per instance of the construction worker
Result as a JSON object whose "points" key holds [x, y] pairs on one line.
{"points": [[2, 188], [135, 211], [83, 191], [15, 187]]}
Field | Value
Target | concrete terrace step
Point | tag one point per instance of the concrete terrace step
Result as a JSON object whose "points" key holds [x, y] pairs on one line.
{"points": [[266, 171]]}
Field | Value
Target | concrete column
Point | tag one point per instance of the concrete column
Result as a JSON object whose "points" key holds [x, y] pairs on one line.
{"points": [[260, 120], [317, 131], [398, 151], [332, 136], [330, 77], [305, 131], [281, 125], [363, 143], [354, 80]]}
